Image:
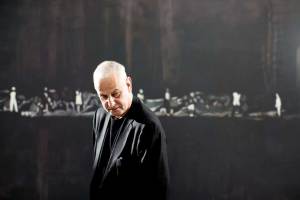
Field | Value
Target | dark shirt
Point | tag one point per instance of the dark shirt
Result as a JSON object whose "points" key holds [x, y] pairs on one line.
{"points": [[115, 129]]}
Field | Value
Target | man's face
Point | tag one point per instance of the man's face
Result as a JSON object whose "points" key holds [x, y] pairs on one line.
{"points": [[115, 94]]}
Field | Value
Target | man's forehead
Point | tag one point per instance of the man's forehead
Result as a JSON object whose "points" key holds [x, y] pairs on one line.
{"points": [[109, 86], [112, 78], [111, 83]]}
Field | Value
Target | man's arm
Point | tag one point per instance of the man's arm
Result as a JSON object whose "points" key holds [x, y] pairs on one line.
{"points": [[152, 154]]}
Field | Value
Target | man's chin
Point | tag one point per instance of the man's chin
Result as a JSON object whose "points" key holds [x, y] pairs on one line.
{"points": [[116, 113]]}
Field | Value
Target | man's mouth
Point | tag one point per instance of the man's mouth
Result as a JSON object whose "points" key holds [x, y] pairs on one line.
{"points": [[113, 109]]}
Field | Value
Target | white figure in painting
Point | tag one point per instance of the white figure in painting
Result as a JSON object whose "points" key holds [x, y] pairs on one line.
{"points": [[167, 100], [278, 105], [141, 95], [78, 100], [13, 105], [236, 102], [46, 100]]}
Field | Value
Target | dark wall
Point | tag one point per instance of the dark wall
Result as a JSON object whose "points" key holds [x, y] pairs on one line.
{"points": [[42, 158], [209, 158], [233, 159], [213, 46]]}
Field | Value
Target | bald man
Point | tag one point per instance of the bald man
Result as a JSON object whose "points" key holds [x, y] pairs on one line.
{"points": [[130, 157]]}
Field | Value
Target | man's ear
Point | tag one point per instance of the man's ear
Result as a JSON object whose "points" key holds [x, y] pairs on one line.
{"points": [[129, 83]]}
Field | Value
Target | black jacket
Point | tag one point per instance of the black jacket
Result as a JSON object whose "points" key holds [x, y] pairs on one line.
{"points": [[137, 166]]}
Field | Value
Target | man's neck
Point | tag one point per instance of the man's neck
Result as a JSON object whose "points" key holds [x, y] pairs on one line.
{"points": [[117, 117]]}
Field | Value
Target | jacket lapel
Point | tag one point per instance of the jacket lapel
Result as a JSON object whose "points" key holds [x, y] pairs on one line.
{"points": [[118, 145], [100, 141]]}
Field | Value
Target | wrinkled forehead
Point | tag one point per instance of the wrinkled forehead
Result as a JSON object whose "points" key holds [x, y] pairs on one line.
{"points": [[111, 82]]}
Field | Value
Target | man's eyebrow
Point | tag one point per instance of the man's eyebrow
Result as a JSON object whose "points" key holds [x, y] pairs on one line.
{"points": [[116, 90]]}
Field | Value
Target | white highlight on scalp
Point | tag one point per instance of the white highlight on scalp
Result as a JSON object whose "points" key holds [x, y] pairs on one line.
{"points": [[106, 68]]}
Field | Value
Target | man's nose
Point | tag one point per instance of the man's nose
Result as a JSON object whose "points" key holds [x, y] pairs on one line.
{"points": [[111, 102]]}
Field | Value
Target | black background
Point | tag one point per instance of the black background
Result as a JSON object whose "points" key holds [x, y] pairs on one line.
{"points": [[209, 158], [212, 46]]}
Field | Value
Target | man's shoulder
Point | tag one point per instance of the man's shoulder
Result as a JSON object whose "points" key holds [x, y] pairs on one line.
{"points": [[99, 116], [100, 112], [143, 115]]}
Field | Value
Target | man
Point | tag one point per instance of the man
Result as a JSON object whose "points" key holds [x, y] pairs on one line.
{"points": [[130, 159]]}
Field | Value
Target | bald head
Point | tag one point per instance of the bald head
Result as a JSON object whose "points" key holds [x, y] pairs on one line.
{"points": [[106, 69]]}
